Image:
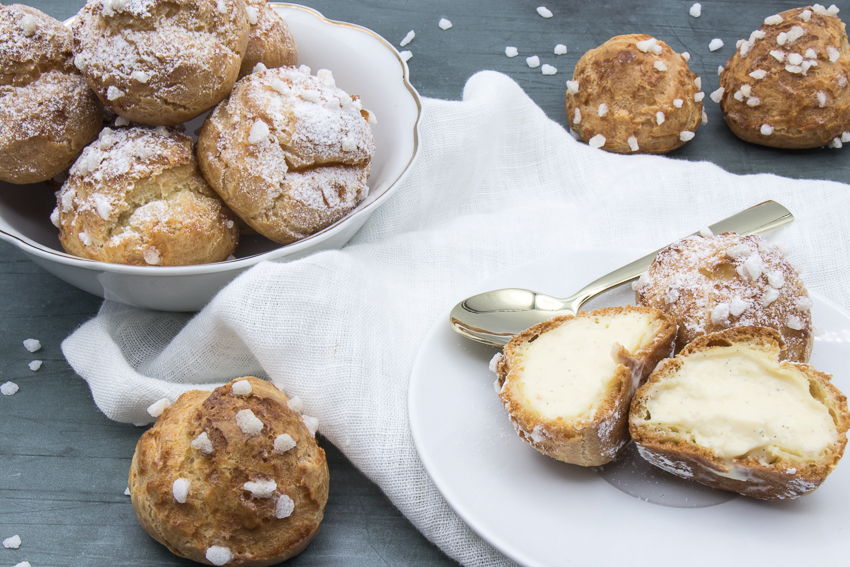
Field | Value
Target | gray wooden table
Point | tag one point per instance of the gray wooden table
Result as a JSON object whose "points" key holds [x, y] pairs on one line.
{"points": [[63, 465]]}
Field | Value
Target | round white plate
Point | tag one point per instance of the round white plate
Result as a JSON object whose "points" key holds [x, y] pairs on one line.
{"points": [[541, 512], [362, 62]]}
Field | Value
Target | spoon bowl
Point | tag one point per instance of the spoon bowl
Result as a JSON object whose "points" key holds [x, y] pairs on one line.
{"points": [[494, 317]]}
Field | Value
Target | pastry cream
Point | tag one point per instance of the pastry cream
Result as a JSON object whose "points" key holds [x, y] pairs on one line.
{"points": [[737, 402], [567, 370]]}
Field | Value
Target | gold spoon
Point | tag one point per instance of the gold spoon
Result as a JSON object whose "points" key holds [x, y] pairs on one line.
{"points": [[496, 316]]}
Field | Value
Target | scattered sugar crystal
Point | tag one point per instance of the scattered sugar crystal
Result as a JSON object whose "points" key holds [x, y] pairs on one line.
{"points": [[633, 143], [8, 388], [659, 117], [32, 345], [641, 281], [766, 129], [572, 87], [720, 314], [603, 110], [677, 102], [715, 44], [296, 404], [795, 58], [699, 96], [326, 77], [782, 38], [311, 423], [597, 141], [533, 61], [738, 306], [845, 137], [794, 322], [218, 555], [156, 408], [754, 266], [259, 132], [549, 69], [127, 491], [283, 443], [695, 10], [494, 362], [151, 256], [646, 44], [720, 69], [259, 68], [13, 542], [444, 24], [818, 331], [672, 296], [577, 116], [406, 55], [241, 388], [805, 304], [704, 118], [794, 69], [121, 121], [806, 15], [686, 56], [35, 365], [261, 488], [758, 74], [560, 49], [795, 33], [496, 386], [706, 232], [821, 99], [773, 20], [717, 95], [778, 55], [114, 93], [408, 38], [833, 54], [660, 66], [511, 51], [23, 564], [248, 423], [753, 101], [180, 489], [776, 279], [686, 135], [202, 443], [544, 11], [54, 217], [253, 15], [284, 507], [28, 25]]}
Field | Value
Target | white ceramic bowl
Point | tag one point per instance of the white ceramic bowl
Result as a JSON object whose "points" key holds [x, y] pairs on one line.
{"points": [[362, 62]]}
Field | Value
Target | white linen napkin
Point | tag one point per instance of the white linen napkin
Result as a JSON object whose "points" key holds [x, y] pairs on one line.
{"points": [[496, 184]]}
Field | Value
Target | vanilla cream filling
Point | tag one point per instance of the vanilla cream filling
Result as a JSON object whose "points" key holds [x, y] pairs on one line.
{"points": [[738, 402], [566, 371]]}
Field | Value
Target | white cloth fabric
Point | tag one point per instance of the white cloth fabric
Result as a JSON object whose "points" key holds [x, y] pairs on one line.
{"points": [[496, 184]]}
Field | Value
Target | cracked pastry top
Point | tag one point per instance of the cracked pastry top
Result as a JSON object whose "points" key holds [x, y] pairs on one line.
{"points": [[634, 94], [288, 152], [136, 196], [161, 62], [47, 112], [787, 85]]}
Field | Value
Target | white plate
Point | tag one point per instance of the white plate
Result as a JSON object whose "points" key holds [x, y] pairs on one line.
{"points": [[541, 512], [362, 63]]}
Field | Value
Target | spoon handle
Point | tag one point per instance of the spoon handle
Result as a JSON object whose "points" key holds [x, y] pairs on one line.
{"points": [[759, 218]]}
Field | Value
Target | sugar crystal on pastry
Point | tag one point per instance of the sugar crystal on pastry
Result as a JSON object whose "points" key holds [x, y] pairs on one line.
{"points": [[180, 490], [261, 488], [284, 507], [249, 423], [312, 424], [156, 408], [218, 555], [241, 388], [283, 443], [295, 404], [202, 443]]}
